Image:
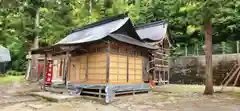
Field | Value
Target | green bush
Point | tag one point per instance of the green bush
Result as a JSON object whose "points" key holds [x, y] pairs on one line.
{"points": [[14, 73]]}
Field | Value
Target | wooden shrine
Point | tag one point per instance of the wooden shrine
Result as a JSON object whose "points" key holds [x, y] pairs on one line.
{"points": [[106, 52]]}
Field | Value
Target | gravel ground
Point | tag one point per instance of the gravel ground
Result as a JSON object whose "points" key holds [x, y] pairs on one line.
{"points": [[153, 101], [16, 93]]}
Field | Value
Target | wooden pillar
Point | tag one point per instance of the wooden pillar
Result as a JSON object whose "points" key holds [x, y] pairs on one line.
{"points": [[127, 66], [29, 66], [108, 61], [143, 67], [154, 75], [45, 70], [168, 69], [164, 75], [168, 66], [100, 93], [86, 69], [63, 68], [66, 68], [159, 76], [168, 76]]}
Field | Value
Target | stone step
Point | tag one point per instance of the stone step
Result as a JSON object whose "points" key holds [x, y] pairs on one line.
{"points": [[57, 90], [54, 96]]}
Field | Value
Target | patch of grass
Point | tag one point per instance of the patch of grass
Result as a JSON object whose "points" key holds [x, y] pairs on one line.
{"points": [[10, 79], [181, 88], [43, 99], [14, 73]]}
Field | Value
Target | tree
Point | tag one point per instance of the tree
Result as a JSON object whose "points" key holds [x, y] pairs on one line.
{"points": [[203, 13]]}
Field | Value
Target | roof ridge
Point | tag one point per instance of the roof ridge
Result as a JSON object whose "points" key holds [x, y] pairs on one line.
{"points": [[150, 24], [103, 21]]}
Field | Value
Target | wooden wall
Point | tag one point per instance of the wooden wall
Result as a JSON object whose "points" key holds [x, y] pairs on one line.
{"points": [[77, 68], [125, 65], [58, 66], [122, 66], [97, 68], [135, 69], [118, 69], [89, 68]]}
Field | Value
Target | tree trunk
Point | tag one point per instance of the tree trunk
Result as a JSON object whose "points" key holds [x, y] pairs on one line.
{"points": [[34, 70], [208, 58]]}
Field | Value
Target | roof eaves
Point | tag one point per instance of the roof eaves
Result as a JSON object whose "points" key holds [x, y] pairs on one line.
{"points": [[152, 24], [132, 41]]}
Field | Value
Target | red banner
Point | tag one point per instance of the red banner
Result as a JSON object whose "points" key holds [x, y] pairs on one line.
{"points": [[48, 79]]}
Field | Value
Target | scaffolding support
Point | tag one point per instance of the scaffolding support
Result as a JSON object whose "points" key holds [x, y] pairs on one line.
{"points": [[159, 65]]}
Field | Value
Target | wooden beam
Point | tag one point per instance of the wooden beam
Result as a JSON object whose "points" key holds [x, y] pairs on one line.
{"points": [[108, 61], [231, 77], [228, 74], [236, 80]]}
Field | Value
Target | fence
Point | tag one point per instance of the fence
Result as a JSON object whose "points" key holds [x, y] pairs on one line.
{"points": [[198, 49]]}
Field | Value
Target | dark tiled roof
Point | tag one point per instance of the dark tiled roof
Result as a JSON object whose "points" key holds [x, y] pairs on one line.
{"points": [[154, 31], [132, 41], [101, 22], [95, 31]]}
